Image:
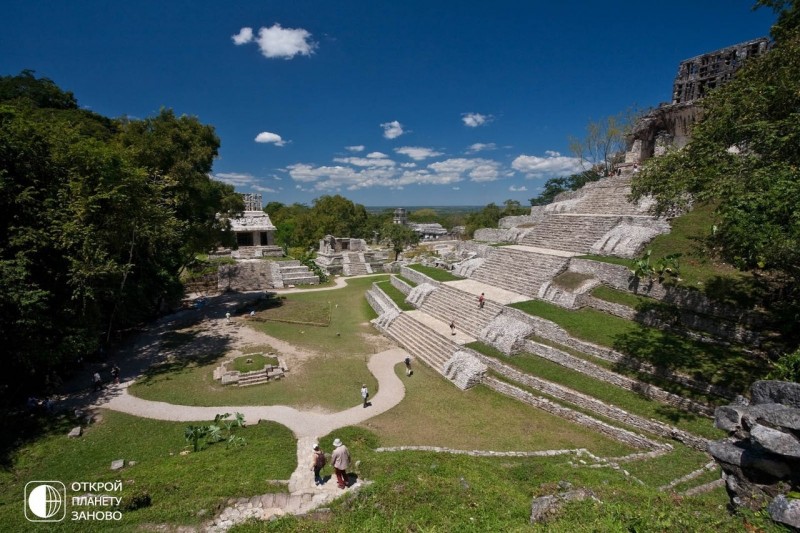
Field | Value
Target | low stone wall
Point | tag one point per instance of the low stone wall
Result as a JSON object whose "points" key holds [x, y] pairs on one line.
{"points": [[719, 328], [477, 248], [513, 222], [495, 235], [588, 403], [464, 369], [618, 434], [417, 277], [250, 275], [506, 333], [400, 285], [597, 372], [379, 300], [760, 459], [619, 277]]}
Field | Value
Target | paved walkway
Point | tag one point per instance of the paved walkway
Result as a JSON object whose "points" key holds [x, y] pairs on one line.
{"points": [[302, 423]]}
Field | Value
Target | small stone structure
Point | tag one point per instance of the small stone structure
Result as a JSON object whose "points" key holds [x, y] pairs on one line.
{"points": [[760, 459], [255, 233], [464, 370], [349, 257], [546, 507], [243, 379]]}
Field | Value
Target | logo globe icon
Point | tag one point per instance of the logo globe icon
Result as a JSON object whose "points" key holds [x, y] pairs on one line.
{"points": [[45, 501]]}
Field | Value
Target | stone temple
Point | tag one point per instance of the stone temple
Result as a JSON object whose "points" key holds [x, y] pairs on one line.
{"points": [[255, 233]]}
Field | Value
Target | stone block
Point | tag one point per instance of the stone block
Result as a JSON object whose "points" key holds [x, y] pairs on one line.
{"points": [[782, 392], [75, 432], [774, 441], [775, 415], [738, 455], [118, 464], [785, 511], [729, 417]]}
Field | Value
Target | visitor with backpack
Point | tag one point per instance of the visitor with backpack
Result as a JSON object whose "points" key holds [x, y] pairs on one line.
{"points": [[318, 461], [341, 460]]}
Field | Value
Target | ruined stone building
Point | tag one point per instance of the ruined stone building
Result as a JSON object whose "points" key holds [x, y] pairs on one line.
{"points": [[255, 233], [669, 125]]}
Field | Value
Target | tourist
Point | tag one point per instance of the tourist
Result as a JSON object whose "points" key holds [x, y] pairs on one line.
{"points": [[481, 299], [407, 361], [365, 394], [317, 462], [341, 460], [228, 317], [97, 381], [452, 327], [115, 373]]}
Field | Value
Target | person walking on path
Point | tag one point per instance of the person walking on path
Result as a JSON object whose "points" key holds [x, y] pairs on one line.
{"points": [[365, 394], [317, 462], [452, 327], [481, 299], [407, 361], [115, 373], [228, 317], [97, 381], [341, 460]]}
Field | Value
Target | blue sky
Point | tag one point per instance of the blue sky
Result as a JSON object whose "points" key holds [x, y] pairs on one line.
{"points": [[387, 103]]}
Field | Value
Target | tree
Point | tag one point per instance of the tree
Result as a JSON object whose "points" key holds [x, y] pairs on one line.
{"points": [[399, 236], [488, 217], [744, 157], [555, 186], [604, 140]]}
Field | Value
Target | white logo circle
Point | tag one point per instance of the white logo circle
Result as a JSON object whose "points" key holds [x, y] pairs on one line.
{"points": [[45, 501]]}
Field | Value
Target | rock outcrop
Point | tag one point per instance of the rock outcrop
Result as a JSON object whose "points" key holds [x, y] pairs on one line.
{"points": [[760, 459]]}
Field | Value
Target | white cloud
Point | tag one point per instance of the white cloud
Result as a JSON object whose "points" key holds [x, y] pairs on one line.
{"points": [[517, 189], [479, 147], [377, 155], [361, 173], [473, 120], [237, 179], [366, 161], [244, 36], [554, 165], [356, 148], [278, 42], [392, 130], [408, 165], [263, 189], [417, 153], [552, 153], [267, 137], [456, 188]]}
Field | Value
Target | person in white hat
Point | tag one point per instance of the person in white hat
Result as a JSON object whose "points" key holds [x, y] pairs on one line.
{"points": [[341, 460], [317, 462]]}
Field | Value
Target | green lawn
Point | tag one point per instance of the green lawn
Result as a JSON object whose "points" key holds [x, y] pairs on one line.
{"points": [[184, 489], [397, 296], [436, 274], [329, 381], [728, 366], [435, 413]]}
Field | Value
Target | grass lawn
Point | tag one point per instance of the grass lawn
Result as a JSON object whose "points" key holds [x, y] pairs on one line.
{"points": [[728, 366], [184, 489], [422, 491], [435, 413], [258, 362], [434, 273], [330, 380], [397, 296]]}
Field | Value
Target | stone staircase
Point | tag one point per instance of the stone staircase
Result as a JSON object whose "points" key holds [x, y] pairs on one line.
{"points": [[421, 341], [519, 271], [604, 197], [296, 273], [354, 264], [573, 233], [447, 303]]}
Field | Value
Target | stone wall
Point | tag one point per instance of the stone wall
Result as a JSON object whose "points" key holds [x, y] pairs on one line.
{"points": [[600, 373], [760, 459], [380, 301], [464, 369], [417, 277], [618, 434], [523, 220], [495, 235], [587, 403], [252, 275], [400, 285]]}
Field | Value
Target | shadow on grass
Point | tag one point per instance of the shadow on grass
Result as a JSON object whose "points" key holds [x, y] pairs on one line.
{"points": [[726, 366], [203, 348], [23, 426]]}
